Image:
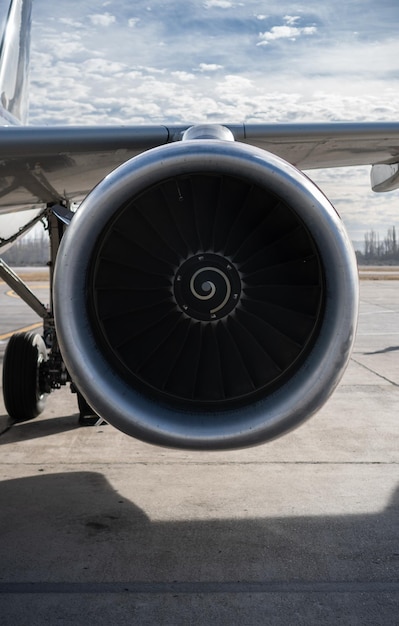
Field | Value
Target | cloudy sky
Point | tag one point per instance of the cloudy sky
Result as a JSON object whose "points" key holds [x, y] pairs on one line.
{"points": [[187, 61]]}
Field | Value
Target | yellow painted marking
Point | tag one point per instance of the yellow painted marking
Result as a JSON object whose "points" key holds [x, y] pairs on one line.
{"points": [[20, 330], [11, 293]]}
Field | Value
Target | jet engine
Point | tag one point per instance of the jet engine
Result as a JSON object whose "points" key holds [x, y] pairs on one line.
{"points": [[206, 296]]}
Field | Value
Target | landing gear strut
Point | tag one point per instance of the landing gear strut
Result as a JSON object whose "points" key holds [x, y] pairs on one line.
{"points": [[33, 366]]}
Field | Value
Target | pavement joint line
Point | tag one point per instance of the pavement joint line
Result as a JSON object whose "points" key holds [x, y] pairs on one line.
{"points": [[100, 464], [383, 309], [379, 334], [201, 587], [369, 369], [373, 313]]}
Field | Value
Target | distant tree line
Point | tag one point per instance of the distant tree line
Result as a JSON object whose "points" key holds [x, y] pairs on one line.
{"points": [[384, 250], [30, 250]]}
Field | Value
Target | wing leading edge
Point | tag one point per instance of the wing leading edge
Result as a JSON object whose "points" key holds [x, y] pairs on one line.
{"points": [[43, 164]]}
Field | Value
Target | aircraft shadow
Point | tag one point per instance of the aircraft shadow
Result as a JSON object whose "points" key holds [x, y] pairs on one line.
{"points": [[73, 528], [35, 429], [384, 350]]}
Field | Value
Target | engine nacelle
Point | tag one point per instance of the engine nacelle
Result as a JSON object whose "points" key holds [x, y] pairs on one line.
{"points": [[206, 296]]}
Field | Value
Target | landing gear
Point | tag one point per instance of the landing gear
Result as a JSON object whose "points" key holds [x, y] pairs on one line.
{"points": [[33, 366], [87, 416], [24, 384]]}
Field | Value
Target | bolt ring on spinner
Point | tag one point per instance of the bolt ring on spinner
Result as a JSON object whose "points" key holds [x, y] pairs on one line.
{"points": [[125, 406], [207, 287]]}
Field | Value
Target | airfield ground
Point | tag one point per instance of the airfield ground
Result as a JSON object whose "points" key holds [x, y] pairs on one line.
{"points": [[97, 528]]}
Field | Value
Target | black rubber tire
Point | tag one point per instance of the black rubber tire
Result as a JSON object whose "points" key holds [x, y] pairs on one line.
{"points": [[24, 396]]}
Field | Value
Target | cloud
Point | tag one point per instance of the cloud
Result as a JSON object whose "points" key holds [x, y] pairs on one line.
{"points": [[291, 19], [69, 49], [183, 76], [103, 67], [234, 84], [211, 70], [70, 22], [219, 4], [209, 67], [103, 19], [286, 31]]}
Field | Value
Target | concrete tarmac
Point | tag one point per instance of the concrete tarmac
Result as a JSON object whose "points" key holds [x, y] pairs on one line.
{"points": [[97, 528]]}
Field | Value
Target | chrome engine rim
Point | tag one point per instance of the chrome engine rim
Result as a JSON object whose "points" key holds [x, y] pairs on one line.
{"points": [[149, 418]]}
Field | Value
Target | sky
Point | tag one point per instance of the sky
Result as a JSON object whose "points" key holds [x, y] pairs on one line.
{"points": [[188, 61]]}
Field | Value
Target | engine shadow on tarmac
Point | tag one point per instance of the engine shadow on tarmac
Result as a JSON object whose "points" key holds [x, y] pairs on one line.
{"points": [[72, 532], [36, 429]]}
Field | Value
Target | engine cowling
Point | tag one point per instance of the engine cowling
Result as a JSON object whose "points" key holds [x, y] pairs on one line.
{"points": [[206, 296]]}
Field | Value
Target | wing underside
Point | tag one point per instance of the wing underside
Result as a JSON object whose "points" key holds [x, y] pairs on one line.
{"points": [[39, 165]]}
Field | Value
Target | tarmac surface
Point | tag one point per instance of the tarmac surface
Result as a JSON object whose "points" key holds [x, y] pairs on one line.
{"points": [[97, 528]]}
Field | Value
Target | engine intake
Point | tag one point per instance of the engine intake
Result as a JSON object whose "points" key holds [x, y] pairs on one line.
{"points": [[206, 296]]}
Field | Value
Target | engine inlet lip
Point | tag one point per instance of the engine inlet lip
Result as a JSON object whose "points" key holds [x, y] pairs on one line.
{"points": [[127, 408], [207, 287]]}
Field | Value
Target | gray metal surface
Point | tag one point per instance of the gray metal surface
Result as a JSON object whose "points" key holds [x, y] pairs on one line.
{"points": [[8, 275], [310, 146], [97, 528], [66, 162], [384, 177], [14, 62], [50, 164], [273, 413]]}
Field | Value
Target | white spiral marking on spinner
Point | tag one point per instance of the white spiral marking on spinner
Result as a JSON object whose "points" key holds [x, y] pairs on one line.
{"points": [[212, 291]]}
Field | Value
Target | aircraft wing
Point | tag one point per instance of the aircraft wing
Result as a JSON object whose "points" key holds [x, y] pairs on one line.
{"points": [[43, 165], [312, 146], [47, 164]]}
